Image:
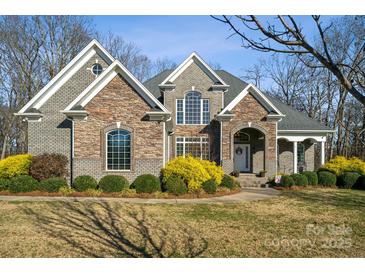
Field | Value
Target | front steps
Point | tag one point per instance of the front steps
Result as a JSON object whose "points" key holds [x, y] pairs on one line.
{"points": [[251, 180]]}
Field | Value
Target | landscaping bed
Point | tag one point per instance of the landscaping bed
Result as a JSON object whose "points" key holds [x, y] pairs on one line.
{"points": [[156, 195]]}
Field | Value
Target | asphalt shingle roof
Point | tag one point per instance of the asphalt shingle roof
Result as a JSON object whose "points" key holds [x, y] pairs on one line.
{"points": [[293, 120]]}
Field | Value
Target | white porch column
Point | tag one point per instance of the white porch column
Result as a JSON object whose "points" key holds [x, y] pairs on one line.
{"points": [[295, 156], [323, 152]]}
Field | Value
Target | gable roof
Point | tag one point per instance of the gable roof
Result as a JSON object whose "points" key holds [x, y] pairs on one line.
{"points": [[293, 120], [65, 74], [103, 79], [194, 58]]}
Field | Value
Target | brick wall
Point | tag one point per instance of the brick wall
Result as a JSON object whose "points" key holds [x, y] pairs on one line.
{"points": [[195, 77], [53, 133], [118, 102], [249, 110]]}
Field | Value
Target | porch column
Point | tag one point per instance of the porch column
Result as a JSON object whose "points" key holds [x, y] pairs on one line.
{"points": [[295, 156], [323, 152]]}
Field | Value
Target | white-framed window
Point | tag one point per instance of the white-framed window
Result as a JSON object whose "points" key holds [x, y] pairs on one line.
{"points": [[192, 110], [97, 69], [118, 150], [194, 146], [301, 153]]}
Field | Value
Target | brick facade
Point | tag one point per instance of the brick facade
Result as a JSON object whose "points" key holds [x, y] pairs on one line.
{"points": [[117, 102], [194, 78], [249, 113], [53, 133]]}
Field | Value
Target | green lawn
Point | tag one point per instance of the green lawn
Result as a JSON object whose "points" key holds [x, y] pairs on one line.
{"points": [[310, 223]]}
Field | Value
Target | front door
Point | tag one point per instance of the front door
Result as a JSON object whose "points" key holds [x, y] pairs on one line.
{"points": [[242, 157]]}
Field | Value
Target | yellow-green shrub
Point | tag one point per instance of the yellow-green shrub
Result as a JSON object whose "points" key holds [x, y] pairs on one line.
{"points": [[15, 165], [194, 171], [340, 164]]}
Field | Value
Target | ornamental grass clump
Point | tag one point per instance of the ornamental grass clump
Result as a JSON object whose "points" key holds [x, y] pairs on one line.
{"points": [[193, 171]]}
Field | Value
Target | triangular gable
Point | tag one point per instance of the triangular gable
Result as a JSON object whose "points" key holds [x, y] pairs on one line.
{"points": [[104, 78], [194, 58], [258, 95], [65, 74]]}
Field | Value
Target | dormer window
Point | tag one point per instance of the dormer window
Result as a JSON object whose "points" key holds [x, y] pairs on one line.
{"points": [[97, 69], [192, 110]]}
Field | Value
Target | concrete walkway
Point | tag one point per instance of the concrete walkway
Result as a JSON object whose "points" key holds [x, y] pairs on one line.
{"points": [[246, 194]]}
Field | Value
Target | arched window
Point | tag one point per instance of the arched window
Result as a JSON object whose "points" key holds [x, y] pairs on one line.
{"points": [[118, 150], [192, 108], [241, 137]]}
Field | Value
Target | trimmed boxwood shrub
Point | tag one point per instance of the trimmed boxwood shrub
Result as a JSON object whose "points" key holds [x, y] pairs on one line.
{"points": [[360, 183], [311, 177], [326, 178], [23, 183], [347, 179], [146, 183], [52, 184], [210, 186], [299, 179], [47, 165], [286, 181], [113, 183], [4, 184], [84, 182], [175, 184], [228, 182]]}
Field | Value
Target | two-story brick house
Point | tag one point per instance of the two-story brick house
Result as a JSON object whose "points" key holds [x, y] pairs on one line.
{"points": [[106, 122]]}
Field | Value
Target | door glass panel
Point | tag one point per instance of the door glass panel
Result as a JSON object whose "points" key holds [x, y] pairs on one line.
{"points": [[246, 150]]}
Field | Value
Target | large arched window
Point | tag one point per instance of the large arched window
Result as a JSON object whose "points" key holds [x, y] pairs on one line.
{"points": [[193, 110], [118, 150]]}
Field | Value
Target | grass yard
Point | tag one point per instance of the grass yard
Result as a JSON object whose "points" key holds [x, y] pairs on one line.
{"points": [[301, 223]]}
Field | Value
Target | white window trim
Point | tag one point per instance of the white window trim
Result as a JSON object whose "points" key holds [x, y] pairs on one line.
{"points": [[106, 153], [201, 112], [184, 142]]}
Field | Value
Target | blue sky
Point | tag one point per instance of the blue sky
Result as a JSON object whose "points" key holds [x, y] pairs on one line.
{"points": [[175, 37]]}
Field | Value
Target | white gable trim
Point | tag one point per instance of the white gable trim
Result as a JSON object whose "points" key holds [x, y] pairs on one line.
{"points": [[103, 79], [243, 93], [194, 57], [65, 74]]}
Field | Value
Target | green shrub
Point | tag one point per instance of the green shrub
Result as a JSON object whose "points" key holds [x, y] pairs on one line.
{"points": [[84, 182], [23, 183], [47, 165], [299, 179], [311, 177], [228, 182], [347, 179], [4, 184], [193, 170], [286, 181], [113, 183], [326, 178], [360, 183], [209, 186], [175, 184], [147, 183], [15, 165], [52, 184]]}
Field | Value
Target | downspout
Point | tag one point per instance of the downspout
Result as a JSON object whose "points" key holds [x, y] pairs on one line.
{"points": [[72, 136]]}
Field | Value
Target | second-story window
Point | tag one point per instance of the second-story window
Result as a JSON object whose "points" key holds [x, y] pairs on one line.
{"points": [[192, 110]]}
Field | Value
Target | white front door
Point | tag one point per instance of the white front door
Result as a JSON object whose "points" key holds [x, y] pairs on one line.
{"points": [[242, 157]]}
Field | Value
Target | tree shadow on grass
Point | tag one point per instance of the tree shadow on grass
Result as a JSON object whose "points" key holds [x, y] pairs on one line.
{"points": [[103, 229], [341, 198]]}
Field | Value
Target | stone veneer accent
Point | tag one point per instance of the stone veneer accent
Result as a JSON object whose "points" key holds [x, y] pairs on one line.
{"points": [[249, 110], [53, 133], [117, 102], [194, 76]]}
